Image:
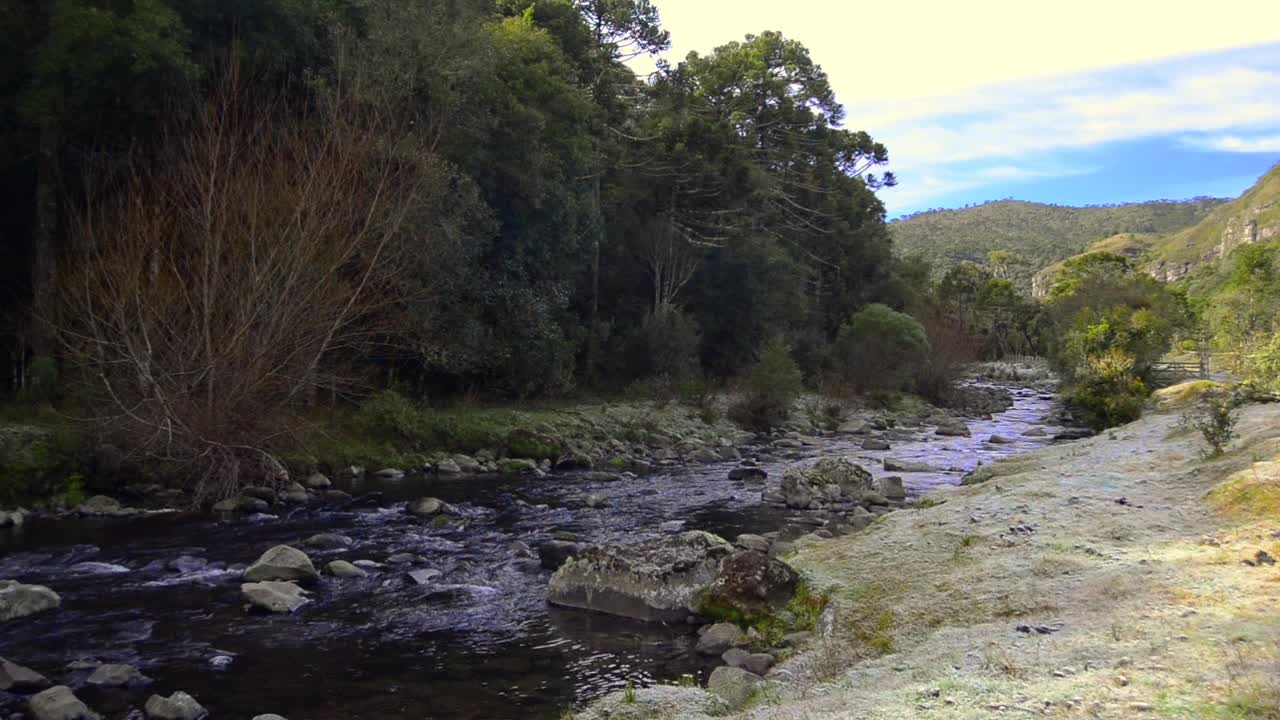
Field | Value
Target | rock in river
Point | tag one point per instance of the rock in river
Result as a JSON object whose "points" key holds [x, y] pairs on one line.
{"points": [[427, 507], [276, 597], [344, 569], [178, 706], [953, 428], [656, 580], [895, 465], [19, 679], [59, 703], [282, 563], [828, 479], [752, 583], [18, 600], [328, 541], [112, 675]]}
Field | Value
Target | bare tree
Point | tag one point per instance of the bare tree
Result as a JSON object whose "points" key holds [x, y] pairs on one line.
{"points": [[251, 264]]}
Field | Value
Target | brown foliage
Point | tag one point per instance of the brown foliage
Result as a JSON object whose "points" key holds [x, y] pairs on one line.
{"points": [[242, 271], [951, 347]]}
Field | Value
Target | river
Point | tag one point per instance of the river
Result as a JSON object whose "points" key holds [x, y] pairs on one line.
{"points": [[162, 593]]}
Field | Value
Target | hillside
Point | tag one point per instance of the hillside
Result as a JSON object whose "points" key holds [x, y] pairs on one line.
{"points": [[1130, 245], [1252, 218], [1193, 253], [1041, 234]]}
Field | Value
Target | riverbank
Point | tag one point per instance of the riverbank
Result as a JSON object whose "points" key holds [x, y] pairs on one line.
{"points": [[48, 465], [1115, 577]]}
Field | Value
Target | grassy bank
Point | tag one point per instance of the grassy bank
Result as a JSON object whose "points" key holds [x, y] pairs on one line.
{"points": [[1099, 579]]}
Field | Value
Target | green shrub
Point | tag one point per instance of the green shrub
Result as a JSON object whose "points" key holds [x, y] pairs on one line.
{"points": [[823, 414], [700, 395], [1215, 416], [774, 386], [880, 348], [1107, 392]]}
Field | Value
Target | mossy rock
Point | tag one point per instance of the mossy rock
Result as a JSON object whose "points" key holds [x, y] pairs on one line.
{"points": [[34, 462], [532, 444], [1179, 395], [1252, 493]]}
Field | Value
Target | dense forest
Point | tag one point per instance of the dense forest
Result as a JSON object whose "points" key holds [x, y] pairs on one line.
{"points": [[216, 212]]}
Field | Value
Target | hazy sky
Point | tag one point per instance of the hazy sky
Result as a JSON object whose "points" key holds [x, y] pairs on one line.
{"points": [[1093, 101]]}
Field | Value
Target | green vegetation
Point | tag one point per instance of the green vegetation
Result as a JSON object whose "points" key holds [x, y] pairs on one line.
{"points": [[1038, 234], [38, 461], [801, 613], [1111, 324], [532, 220], [881, 348], [1214, 416], [775, 385]]}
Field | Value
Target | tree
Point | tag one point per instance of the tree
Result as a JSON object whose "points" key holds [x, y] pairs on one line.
{"points": [[244, 269], [879, 348]]}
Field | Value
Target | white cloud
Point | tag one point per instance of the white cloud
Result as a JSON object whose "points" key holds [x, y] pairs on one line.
{"points": [[1236, 143], [1226, 101]]}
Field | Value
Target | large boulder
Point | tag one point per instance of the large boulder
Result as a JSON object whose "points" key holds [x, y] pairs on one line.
{"points": [[827, 480], [659, 580], [276, 597], [18, 600], [178, 706], [733, 685], [282, 563], [59, 703], [752, 583], [18, 679]]}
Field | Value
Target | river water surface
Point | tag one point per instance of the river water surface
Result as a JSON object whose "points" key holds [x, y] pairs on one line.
{"points": [[162, 593]]}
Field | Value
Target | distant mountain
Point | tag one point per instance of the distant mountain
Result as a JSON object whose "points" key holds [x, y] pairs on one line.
{"points": [[1040, 234], [1193, 254]]}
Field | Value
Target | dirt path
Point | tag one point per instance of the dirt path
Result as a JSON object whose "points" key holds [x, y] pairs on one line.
{"points": [[1130, 589]]}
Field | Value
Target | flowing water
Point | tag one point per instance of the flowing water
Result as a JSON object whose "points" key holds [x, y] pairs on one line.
{"points": [[162, 593]]}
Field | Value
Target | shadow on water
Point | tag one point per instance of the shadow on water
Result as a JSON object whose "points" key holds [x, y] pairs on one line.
{"points": [[162, 593]]}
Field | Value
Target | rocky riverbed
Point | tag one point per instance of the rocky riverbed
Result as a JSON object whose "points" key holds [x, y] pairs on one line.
{"points": [[434, 611]]}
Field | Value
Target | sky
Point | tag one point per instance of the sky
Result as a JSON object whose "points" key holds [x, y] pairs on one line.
{"points": [[1087, 102]]}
